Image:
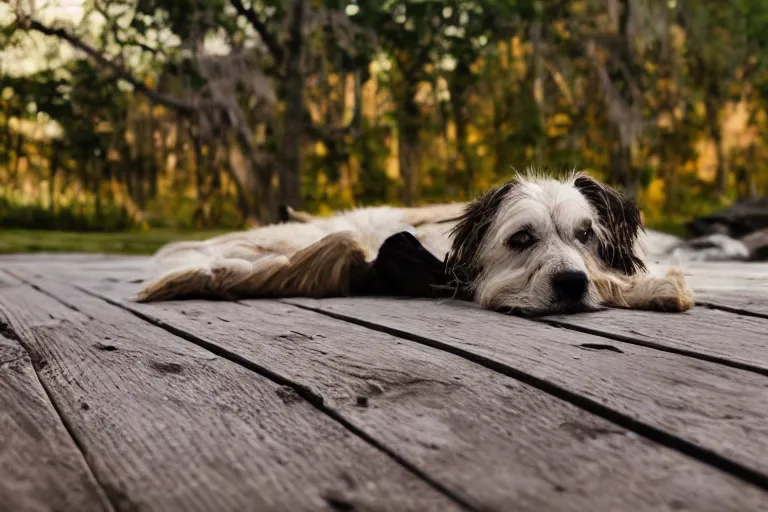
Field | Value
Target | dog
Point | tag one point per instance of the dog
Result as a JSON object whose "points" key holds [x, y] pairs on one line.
{"points": [[534, 245]]}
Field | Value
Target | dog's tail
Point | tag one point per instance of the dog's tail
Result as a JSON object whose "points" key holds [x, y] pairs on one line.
{"points": [[179, 269], [241, 269], [287, 214]]}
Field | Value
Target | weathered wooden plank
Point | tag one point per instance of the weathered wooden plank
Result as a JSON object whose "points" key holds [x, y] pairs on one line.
{"points": [[719, 409], [166, 425], [727, 338], [41, 468], [489, 437], [745, 302], [734, 286]]}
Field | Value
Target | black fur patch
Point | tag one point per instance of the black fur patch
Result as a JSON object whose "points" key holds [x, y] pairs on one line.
{"points": [[403, 268], [282, 213], [470, 233], [621, 217]]}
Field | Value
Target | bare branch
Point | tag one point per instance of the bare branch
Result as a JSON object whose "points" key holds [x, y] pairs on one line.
{"points": [[266, 36], [120, 71], [114, 29]]}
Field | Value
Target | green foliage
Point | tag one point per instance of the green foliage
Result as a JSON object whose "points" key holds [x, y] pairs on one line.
{"points": [[438, 98], [73, 217]]}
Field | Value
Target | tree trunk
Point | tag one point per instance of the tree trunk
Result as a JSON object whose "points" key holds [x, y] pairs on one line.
{"points": [[153, 162], [458, 93], [199, 214], [293, 117], [54, 168], [715, 131], [621, 166], [92, 168], [408, 142], [254, 179], [752, 191], [19, 150]]}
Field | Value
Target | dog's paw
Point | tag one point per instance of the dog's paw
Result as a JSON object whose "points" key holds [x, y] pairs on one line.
{"points": [[669, 293]]}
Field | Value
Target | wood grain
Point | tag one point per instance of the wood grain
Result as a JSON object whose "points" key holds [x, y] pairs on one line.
{"points": [[725, 337], [734, 286], [718, 408], [41, 468], [491, 438], [746, 302], [166, 425]]}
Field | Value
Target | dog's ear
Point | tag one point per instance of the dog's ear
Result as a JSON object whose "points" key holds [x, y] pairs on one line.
{"points": [[620, 219], [470, 233]]}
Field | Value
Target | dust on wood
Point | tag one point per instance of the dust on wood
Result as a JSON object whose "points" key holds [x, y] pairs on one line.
{"points": [[166, 425], [478, 432], [731, 338], [41, 468], [734, 286], [721, 409]]}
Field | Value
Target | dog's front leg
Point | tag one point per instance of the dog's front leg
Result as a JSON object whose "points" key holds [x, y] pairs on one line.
{"points": [[668, 293]]}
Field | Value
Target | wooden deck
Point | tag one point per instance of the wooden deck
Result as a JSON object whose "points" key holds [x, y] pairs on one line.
{"points": [[369, 404]]}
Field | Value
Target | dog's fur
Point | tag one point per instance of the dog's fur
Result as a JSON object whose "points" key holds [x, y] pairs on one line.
{"points": [[504, 250]]}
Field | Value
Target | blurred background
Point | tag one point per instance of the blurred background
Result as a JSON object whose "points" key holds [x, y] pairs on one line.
{"points": [[125, 124]]}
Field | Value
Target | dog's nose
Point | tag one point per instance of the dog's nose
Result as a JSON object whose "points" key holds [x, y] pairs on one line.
{"points": [[570, 286]]}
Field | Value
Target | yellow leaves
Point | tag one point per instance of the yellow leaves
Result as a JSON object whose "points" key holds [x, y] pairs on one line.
{"points": [[320, 149], [665, 120], [477, 66], [653, 198], [560, 29], [558, 125], [103, 127], [760, 118], [473, 135], [323, 210], [517, 48], [578, 8]]}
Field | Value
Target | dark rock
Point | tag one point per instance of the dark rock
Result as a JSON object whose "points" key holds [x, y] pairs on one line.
{"points": [[736, 221], [714, 247], [757, 244]]}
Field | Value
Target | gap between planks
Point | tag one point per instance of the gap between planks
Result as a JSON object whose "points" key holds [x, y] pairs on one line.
{"points": [[732, 309], [112, 504], [643, 429], [739, 365], [705, 452], [53, 445], [417, 483], [102, 297], [302, 391]]}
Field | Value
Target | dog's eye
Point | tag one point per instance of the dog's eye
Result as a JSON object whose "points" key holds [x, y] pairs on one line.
{"points": [[520, 240], [584, 235]]}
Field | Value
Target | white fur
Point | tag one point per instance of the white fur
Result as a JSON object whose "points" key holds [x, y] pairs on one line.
{"points": [[553, 211], [299, 257], [373, 225]]}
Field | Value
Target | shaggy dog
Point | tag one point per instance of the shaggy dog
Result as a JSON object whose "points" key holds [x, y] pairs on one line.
{"points": [[534, 245]]}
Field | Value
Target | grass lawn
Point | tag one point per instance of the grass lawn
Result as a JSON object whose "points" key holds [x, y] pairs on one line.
{"points": [[19, 241]]}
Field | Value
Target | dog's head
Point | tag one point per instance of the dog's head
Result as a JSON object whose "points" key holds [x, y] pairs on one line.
{"points": [[532, 244]]}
